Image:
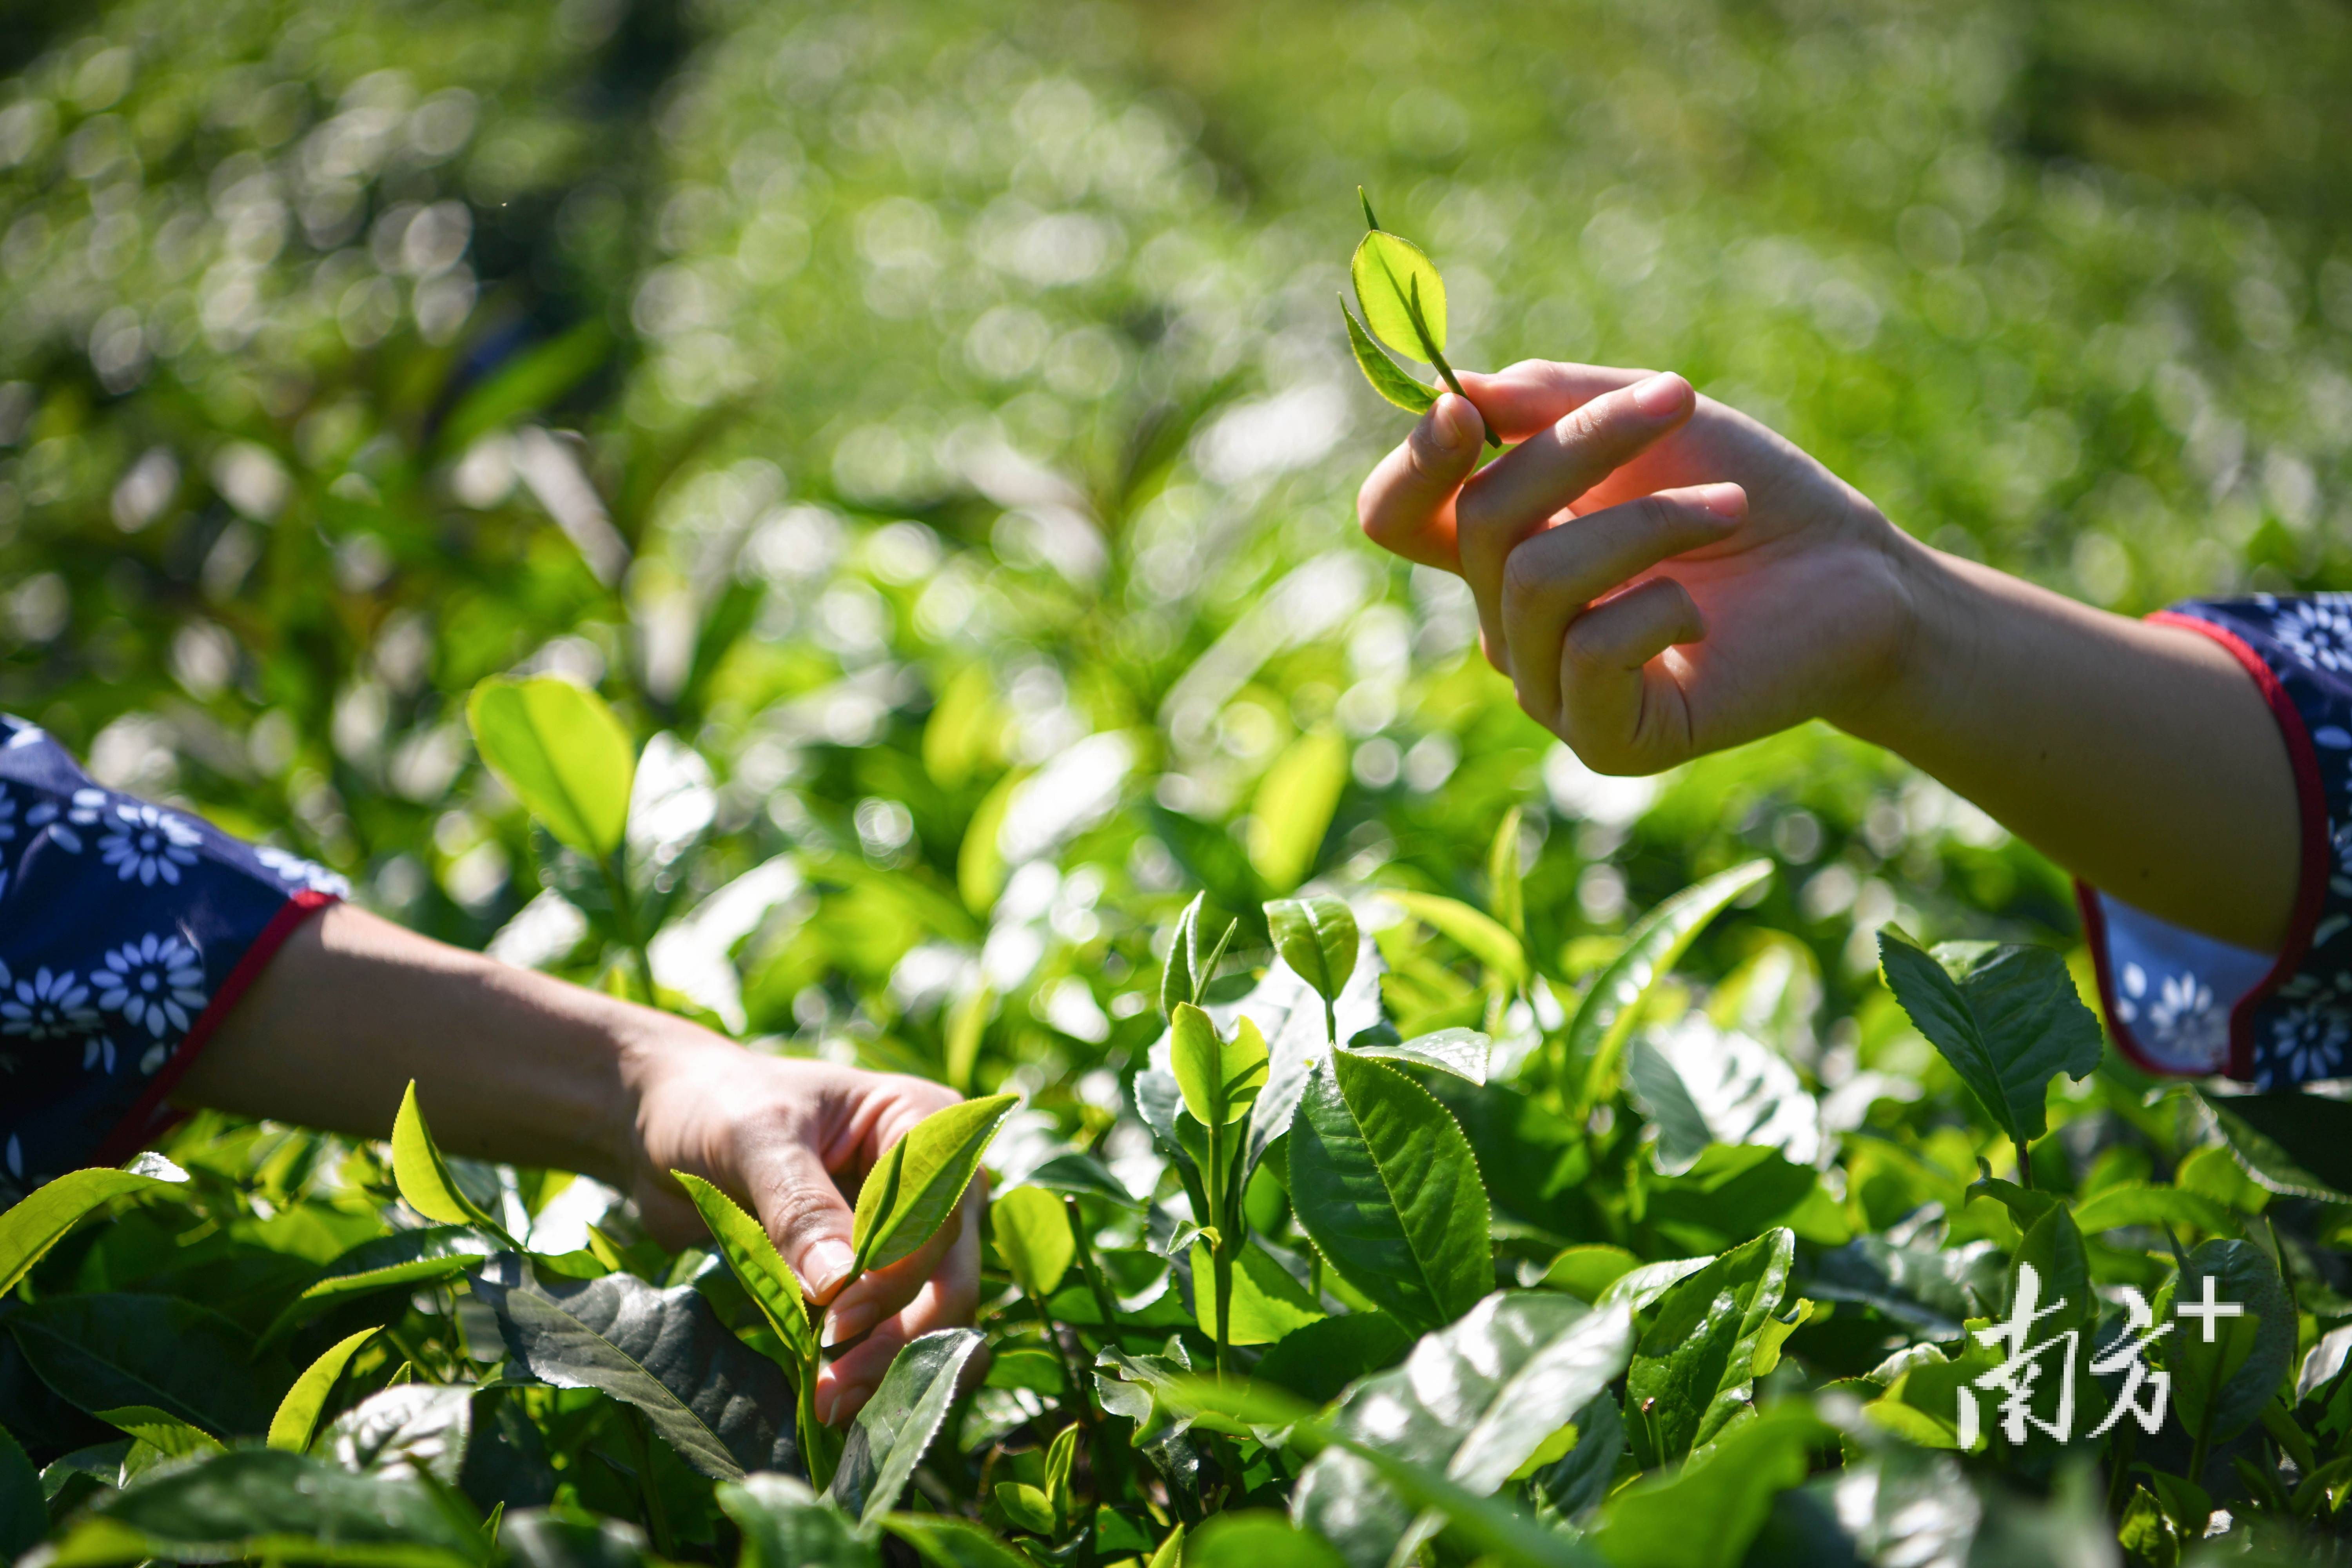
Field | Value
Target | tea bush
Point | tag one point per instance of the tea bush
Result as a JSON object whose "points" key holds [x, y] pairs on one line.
{"points": [[926, 429]]}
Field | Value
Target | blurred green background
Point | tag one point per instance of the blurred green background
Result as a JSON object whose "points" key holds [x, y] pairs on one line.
{"points": [[931, 414]]}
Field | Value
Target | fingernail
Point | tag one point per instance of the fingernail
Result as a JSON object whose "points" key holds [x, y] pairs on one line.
{"points": [[845, 1324], [1456, 418], [1662, 395], [826, 1264], [1725, 500]]}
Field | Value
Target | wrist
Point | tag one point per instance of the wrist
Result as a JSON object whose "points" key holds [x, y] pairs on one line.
{"points": [[1924, 651]]}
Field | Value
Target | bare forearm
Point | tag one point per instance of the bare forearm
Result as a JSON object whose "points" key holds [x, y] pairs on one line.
{"points": [[2142, 758], [510, 1064]]}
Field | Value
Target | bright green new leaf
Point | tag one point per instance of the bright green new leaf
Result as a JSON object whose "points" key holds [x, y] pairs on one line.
{"points": [[1695, 1369], [1587, 1270], [898, 1423], [2008, 1018], [158, 1436], [423, 1178], [1384, 1182], [944, 1540], [1506, 894], [2222, 1383], [1387, 377], [564, 754], [980, 861], [1171, 1551], [1292, 809], [1220, 1078], [2145, 1204], [1597, 1032], [426, 1255], [1476, 933], [966, 1027], [1316, 937], [1026, 1506], [40, 1221], [760, 1268], [786, 1525], [298, 1413], [2214, 1172], [1176, 980], [1267, 1302], [1393, 275], [917, 1184], [1706, 1514], [1033, 1237], [1256, 1538]]}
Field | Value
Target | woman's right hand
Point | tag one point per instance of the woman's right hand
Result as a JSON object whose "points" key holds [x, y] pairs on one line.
{"points": [[1659, 575]]}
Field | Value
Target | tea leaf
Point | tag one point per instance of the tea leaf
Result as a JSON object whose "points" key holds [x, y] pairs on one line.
{"points": [[1597, 1032], [1256, 1538], [1387, 377], [1472, 930], [414, 1428], [1505, 896], [1695, 1367], [2297, 1145], [1392, 278], [1461, 1052], [2221, 1386], [105, 1351], [562, 753], [1292, 809], [1033, 1236], [1267, 1304], [2008, 1018], [898, 1423], [40, 1221], [1219, 1077], [786, 1525], [921, 1177], [423, 1176], [944, 1540], [1316, 937], [1706, 1514], [1385, 1183], [298, 1413], [24, 1512], [764, 1274]]}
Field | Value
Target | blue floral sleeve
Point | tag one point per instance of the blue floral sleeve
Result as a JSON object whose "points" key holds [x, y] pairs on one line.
{"points": [[2182, 1003], [127, 931]]}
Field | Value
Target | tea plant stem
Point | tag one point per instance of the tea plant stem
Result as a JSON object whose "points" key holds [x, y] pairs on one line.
{"points": [[1074, 1391], [642, 1449], [2024, 1164], [1087, 1268]]}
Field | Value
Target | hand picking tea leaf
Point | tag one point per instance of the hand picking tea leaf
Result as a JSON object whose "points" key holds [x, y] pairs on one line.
{"points": [[1402, 297]]}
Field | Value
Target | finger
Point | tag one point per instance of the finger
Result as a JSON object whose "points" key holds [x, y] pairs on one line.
{"points": [[944, 1300], [1407, 503], [1523, 490], [880, 1293], [1621, 712], [1521, 399], [803, 1212], [1553, 578]]}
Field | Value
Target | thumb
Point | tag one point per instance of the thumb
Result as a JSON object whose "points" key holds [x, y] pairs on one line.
{"points": [[803, 1214]]}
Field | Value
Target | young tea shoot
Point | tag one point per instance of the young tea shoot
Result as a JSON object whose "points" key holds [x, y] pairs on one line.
{"points": [[1403, 301]]}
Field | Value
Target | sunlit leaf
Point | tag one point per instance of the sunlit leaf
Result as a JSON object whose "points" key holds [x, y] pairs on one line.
{"points": [[423, 1173], [1318, 937], [1033, 1236], [2008, 1019], [920, 1178], [786, 1525], [564, 754], [1597, 1030], [1388, 378], [1292, 809], [1267, 1303], [413, 1429], [1476, 933], [1220, 1077], [762, 1270], [896, 1424], [39, 1222], [298, 1413], [1390, 276], [1695, 1369], [1461, 1052], [1706, 1514]]}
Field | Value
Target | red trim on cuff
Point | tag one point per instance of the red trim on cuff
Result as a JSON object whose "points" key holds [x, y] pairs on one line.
{"points": [[2311, 888], [141, 1123]]}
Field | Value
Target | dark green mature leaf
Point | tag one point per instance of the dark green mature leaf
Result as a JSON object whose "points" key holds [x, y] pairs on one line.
{"points": [[39, 1222], [946, 1541], [1220, 1078], [536, 1540], [298, 1413], [412, 1429], [1581, 1478], [1706, 1514], [898, 1423], [526, 384], [2222, 1383], [1291, 1016], [104, 1351], [725, 1408], [921, 1177], [1461, 1052], [1318, 937], [1932, 1290], [2297, 1145], [1732, 1195], [24, 1517], [1318, 1361], [1386, 1186], [563, 753], [265, 1503], [1081, 1175], [1391, 276], [1474, 1402], [1388, 378], [1597, 1031], [766, 1276], [428, 1254], [424, 1176], [2008, 1018], [1255, 1538], [786, 1525], [1695, 1367]]}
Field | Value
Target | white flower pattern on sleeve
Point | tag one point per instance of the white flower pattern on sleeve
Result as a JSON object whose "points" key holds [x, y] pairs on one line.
{"points": [[155, 983], [297, 872], [64, 826], [152, 843], [49, 1006], [2316, 631]]}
